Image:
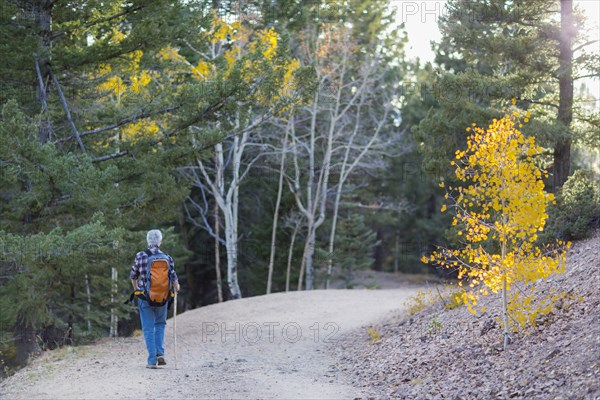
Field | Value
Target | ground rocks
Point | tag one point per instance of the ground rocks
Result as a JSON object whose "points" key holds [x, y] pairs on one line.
{"points": [[453, 354]]}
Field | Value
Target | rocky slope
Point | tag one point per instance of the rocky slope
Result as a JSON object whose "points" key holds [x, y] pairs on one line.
{"points": [[452, 354]]}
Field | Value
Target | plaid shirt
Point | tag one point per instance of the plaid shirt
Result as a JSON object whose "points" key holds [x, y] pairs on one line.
{"points": [[139, 270]]}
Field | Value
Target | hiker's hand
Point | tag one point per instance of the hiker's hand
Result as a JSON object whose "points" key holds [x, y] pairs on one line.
{"points": [[176, 286]]}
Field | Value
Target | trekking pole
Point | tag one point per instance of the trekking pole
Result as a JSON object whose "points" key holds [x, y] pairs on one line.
{"points": [[175, 329]]}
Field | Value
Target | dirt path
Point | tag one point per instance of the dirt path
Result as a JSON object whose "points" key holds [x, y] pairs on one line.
{"points": [[262, 347]]}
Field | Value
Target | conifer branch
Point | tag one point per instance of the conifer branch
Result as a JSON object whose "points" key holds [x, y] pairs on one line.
{"points": [[99, 21], [131, 118]]}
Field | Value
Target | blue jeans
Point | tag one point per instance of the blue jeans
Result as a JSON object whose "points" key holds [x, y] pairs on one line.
{"points": [[154, 320]]}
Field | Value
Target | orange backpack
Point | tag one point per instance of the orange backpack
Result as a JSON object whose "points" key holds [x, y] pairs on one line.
{"points": [[158, 288]]}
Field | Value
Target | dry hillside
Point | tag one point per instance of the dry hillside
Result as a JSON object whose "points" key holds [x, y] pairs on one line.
{"points": [[452, 354]]}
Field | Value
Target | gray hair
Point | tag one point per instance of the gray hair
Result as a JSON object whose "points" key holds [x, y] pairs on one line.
{"points": [[154, 237]]}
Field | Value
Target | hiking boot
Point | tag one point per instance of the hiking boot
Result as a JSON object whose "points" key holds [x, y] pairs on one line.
{"points": [[151, 366], [161, 360]]}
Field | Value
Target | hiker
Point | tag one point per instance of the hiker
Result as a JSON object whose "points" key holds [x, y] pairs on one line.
{"points": [[153, 278]]}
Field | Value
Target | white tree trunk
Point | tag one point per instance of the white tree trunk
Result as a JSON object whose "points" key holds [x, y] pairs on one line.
{"points": [[113, 316], [218, 257], [232, 242], [505, 313], [331, 249], [231, 245], [302, 266], [290, 255], [228, 202], [88, 306], [276, 213], [310, 253], [396, 252], [315, 199]]}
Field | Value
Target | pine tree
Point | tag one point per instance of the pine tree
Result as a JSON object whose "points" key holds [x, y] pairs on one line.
{"points": [[54, 242], [354, 250], [92, 102], [492, 51]]}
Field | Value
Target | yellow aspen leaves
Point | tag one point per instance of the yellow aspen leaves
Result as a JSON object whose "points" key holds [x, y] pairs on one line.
{"points": [[202, 69], [291, 67], [139, 82], [502, 204], [105, 69], [168, 53], [141, 129], [218, 51], [269, 38], [231, 57], [221, 30], [116, 36], [131, 80], [115, 86]]}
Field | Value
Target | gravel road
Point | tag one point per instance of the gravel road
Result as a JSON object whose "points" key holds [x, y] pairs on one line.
{"points": [[274, 346]]}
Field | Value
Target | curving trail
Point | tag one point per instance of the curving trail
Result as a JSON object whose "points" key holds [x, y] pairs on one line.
{"points": [[273, 346]]}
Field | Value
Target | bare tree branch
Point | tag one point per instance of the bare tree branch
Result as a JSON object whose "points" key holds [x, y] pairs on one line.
{"points": [[67, 112]]}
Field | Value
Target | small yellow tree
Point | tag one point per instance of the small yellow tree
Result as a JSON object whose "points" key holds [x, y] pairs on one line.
{"points": [[499, 210]]}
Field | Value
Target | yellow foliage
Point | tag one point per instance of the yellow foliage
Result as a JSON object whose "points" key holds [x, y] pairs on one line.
{"points": [[499, 210], [222, 29], [141, 129], [105, 69], [138, 82], [202, 70], [419, 302], [126, 81], [114, 85], [231, 56], [456, 300], [168, 54], [117, 36], [290, 68], [255, 48], [269, 39], [135, 58]]}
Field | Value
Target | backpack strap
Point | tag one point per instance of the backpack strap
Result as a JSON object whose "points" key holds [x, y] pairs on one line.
{"points": [[138, 293], [149, 253]]}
